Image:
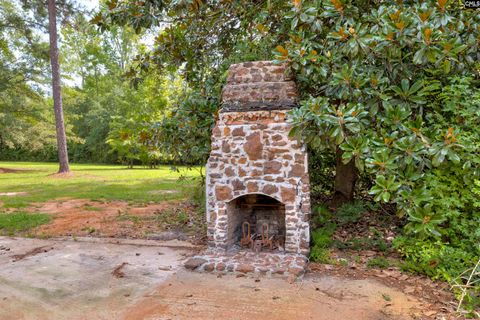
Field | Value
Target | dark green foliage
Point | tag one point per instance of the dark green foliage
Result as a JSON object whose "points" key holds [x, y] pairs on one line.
{"points": [[47, 152], [364, 243], [350, 212], [322, 234], [320, 254], [436, 259], [394, 85], [321, 216], [185, 134], [322, 237], [321, 174], [394, 127], [24, 122]]}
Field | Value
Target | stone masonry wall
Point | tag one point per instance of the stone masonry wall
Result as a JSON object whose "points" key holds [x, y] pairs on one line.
{"points": [[252, 152], [260, 85]]}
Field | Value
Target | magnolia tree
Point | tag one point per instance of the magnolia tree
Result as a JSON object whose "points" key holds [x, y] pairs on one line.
{"points": [[198, 40], [391, 88]]}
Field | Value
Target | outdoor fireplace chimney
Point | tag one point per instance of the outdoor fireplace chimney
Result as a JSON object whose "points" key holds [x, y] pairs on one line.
{"points": [[256, 173]]}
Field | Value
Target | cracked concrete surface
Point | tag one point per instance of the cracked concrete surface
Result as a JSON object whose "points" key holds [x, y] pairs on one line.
{"points": [[73, 280]]}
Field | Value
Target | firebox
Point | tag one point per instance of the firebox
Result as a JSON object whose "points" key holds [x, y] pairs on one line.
{"points": [[258, 191], [253, 216]]}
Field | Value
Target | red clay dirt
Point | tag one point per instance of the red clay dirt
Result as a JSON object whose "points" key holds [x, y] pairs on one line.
{"points": [[205, 296], [78, 217]]}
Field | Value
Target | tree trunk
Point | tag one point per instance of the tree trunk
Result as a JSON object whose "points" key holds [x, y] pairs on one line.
{"points": [[56, 89], [345, 179]]}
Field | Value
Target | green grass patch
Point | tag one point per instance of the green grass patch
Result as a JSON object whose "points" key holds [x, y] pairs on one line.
{"points": [[124, 216], [378, 263], [93, 182], [322, 239], [350, 212], [91, 208], [10, 223], [173, 218], [363, 243], [321, 255], [89, 230]]}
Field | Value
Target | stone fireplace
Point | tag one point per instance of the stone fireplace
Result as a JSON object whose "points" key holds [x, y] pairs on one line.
{"points": [[257, 176]]}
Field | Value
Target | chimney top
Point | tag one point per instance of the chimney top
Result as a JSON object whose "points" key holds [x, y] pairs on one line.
{"points": [[258, 85]]}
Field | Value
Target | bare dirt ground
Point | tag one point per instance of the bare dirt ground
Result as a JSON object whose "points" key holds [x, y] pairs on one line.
{"points": [[12, 194], [167, 291], [139, 279], [7, 170], [205, 296], [79, 217], [435, 297]]}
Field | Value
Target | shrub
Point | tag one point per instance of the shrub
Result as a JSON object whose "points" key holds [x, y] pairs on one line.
{"points": [[413, 129], [322, 240], [476, 191], [321, 164], [435, 259]]}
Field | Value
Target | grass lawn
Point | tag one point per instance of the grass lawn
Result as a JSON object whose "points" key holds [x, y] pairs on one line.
{"points": [[20, 221], [92, 182]]}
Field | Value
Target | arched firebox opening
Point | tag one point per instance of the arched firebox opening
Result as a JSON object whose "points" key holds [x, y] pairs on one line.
{"points": [[256, 222]]}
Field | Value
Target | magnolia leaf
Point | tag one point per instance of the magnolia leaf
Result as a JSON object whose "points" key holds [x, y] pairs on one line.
{"points": [[441, 4], [419, 56], [453, 156], [112, 4], [385, 196], [415, 87], [282, 50], [446, 66]]}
